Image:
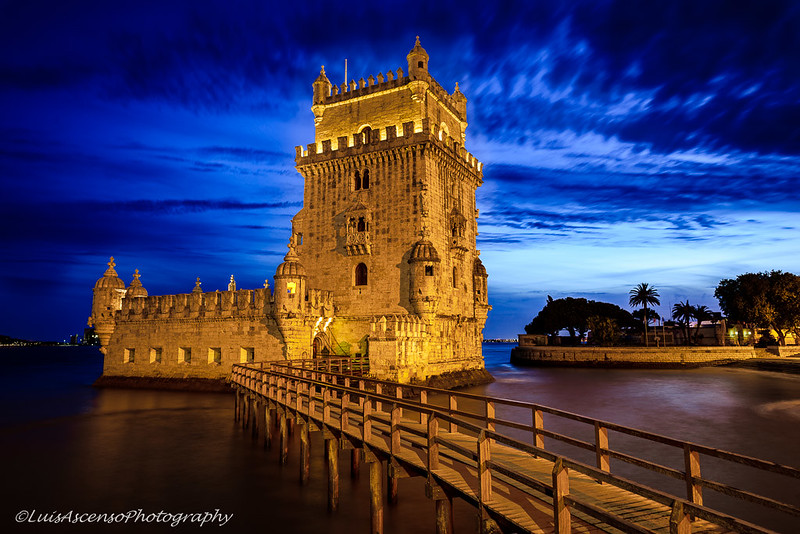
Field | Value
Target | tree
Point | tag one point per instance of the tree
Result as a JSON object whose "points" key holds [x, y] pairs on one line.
{"points": [[572, 314], [700, 313], [642, 296], [682, 312], [768, 299], [604, 331]]}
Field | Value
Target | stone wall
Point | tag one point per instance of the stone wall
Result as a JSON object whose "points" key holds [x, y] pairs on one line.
{"points": [[629, 356]]}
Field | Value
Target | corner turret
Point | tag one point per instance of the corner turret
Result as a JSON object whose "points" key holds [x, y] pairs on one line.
{"points": [[107, 299], [322, 87], [290, 283], [425, 273], [135, 289], [417, 62]]}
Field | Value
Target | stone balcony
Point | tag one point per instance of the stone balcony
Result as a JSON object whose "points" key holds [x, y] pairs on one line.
{"points": [[358, 243]]}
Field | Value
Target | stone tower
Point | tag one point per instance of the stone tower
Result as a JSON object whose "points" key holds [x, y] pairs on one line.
{"points": [[389, 223]]}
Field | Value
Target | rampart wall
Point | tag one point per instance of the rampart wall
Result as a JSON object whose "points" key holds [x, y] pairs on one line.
{"points": [[629, 356]]}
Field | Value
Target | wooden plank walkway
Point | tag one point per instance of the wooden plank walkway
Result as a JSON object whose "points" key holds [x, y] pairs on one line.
{"points": [[519, 486]]}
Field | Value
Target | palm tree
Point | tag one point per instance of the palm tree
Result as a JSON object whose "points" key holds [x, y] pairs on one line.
{"points": [[644, 295], [701, 313], [683, 313]]}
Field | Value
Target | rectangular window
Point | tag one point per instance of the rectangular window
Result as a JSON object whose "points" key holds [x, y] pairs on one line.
{"points": [[155, 355], [247, 354], [215, 355], [291, 288], [185, 354], [130, 355], [429, 270]]}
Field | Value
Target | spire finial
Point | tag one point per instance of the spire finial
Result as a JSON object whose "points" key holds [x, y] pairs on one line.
{"points": [[232, 284], [136, 274], [111, 263], [417, 43], [197, 288], [322, 70]]}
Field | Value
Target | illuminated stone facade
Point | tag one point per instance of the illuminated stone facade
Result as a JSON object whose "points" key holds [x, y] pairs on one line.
{"points": [[382, 259]]}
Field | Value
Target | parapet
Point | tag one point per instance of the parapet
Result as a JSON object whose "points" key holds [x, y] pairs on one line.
{"points": [[386, 138], [381, 82], [397, 326], [236, 303]]}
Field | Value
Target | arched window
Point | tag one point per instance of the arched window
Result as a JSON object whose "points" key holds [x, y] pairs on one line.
{"points": [[366, 135], [365, 179], [362, 225], [357, 181], [361, 274]]}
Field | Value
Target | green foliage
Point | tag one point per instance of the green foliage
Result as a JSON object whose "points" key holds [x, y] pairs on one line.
{"points": [[768, 299], [605, 331], [682, 312], [572, 315]]}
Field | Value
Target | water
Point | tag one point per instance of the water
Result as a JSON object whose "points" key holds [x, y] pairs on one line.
{"points": [[69, 447]]}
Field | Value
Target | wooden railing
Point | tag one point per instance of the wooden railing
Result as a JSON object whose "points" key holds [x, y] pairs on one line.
{"points": [[396, 419]]}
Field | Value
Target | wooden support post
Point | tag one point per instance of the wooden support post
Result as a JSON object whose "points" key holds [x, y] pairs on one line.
{"points": [[305, 452], [284, 437], [693, 489], [256, 416], [268, 424], [246, 411], [355, 462], [679, 521], [398, 393], [391, 483], [444, 515], [538, 424], [236, 402], [375, 497], [394, 429], [601, 447], [332, 446], [433, 445], [561, 515], [484, 473]]}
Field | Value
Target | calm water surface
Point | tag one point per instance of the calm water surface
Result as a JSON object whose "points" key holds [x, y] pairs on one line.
{"points": [[68, 446]]}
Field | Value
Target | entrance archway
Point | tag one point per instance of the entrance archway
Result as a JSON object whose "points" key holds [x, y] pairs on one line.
{"points": [[320, 347]]}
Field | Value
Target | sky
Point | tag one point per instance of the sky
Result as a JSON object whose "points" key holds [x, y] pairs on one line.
{"points": [[623, 142]]}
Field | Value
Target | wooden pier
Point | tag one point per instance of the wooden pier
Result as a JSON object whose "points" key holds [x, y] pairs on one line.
{"points": [[476, 448]]}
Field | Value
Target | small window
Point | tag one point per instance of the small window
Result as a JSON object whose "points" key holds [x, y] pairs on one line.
{"points": [[366, 135], [185, 354], [357, 181], [429, 270], [215, 355], [130, 355], [247, 354], [419, 64], [299, 239], [361, 274], [362, 225], [365, 179], [291, 288], [455, 276], [155, 355]]}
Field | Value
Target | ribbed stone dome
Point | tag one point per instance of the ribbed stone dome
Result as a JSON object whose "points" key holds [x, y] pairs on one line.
{"points": [[478, 269], [423, 251], [110, 280], [291, 265], [136, 289]]}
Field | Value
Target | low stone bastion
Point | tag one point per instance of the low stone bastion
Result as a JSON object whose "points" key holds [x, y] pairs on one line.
{"points": [[652, 357]]}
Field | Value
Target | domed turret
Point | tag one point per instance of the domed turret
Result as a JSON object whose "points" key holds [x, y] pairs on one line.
{"points": [[425, 272], [461, 103], [479, 277], [136, 289], [290, 283], [322, 87], [417, 62], [110, 279], [107, 299]]}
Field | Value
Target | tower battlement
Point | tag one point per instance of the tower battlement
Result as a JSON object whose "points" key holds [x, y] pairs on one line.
{"points": [[389, 137]]}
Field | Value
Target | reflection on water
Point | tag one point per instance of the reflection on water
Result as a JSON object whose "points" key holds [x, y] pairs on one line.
{"points": [[71, 447]]}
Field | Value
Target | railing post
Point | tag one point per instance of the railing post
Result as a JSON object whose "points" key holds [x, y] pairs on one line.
{"points": [[367, 422], [692, 460], [344, 416], [433, 444], [601, 447], [561, 515], [453, 406], [326, 406], [538, 424], [423, 399], [484, 474], [378, 391], [398, 393], [679, 521], [490, 415], [394, 446]]}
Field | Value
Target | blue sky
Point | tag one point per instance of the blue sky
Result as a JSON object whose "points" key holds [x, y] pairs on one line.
{"points": [[624, 142]]}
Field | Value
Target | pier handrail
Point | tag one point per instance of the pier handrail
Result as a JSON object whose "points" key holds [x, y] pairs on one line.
{"points": [[335, 376]]}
